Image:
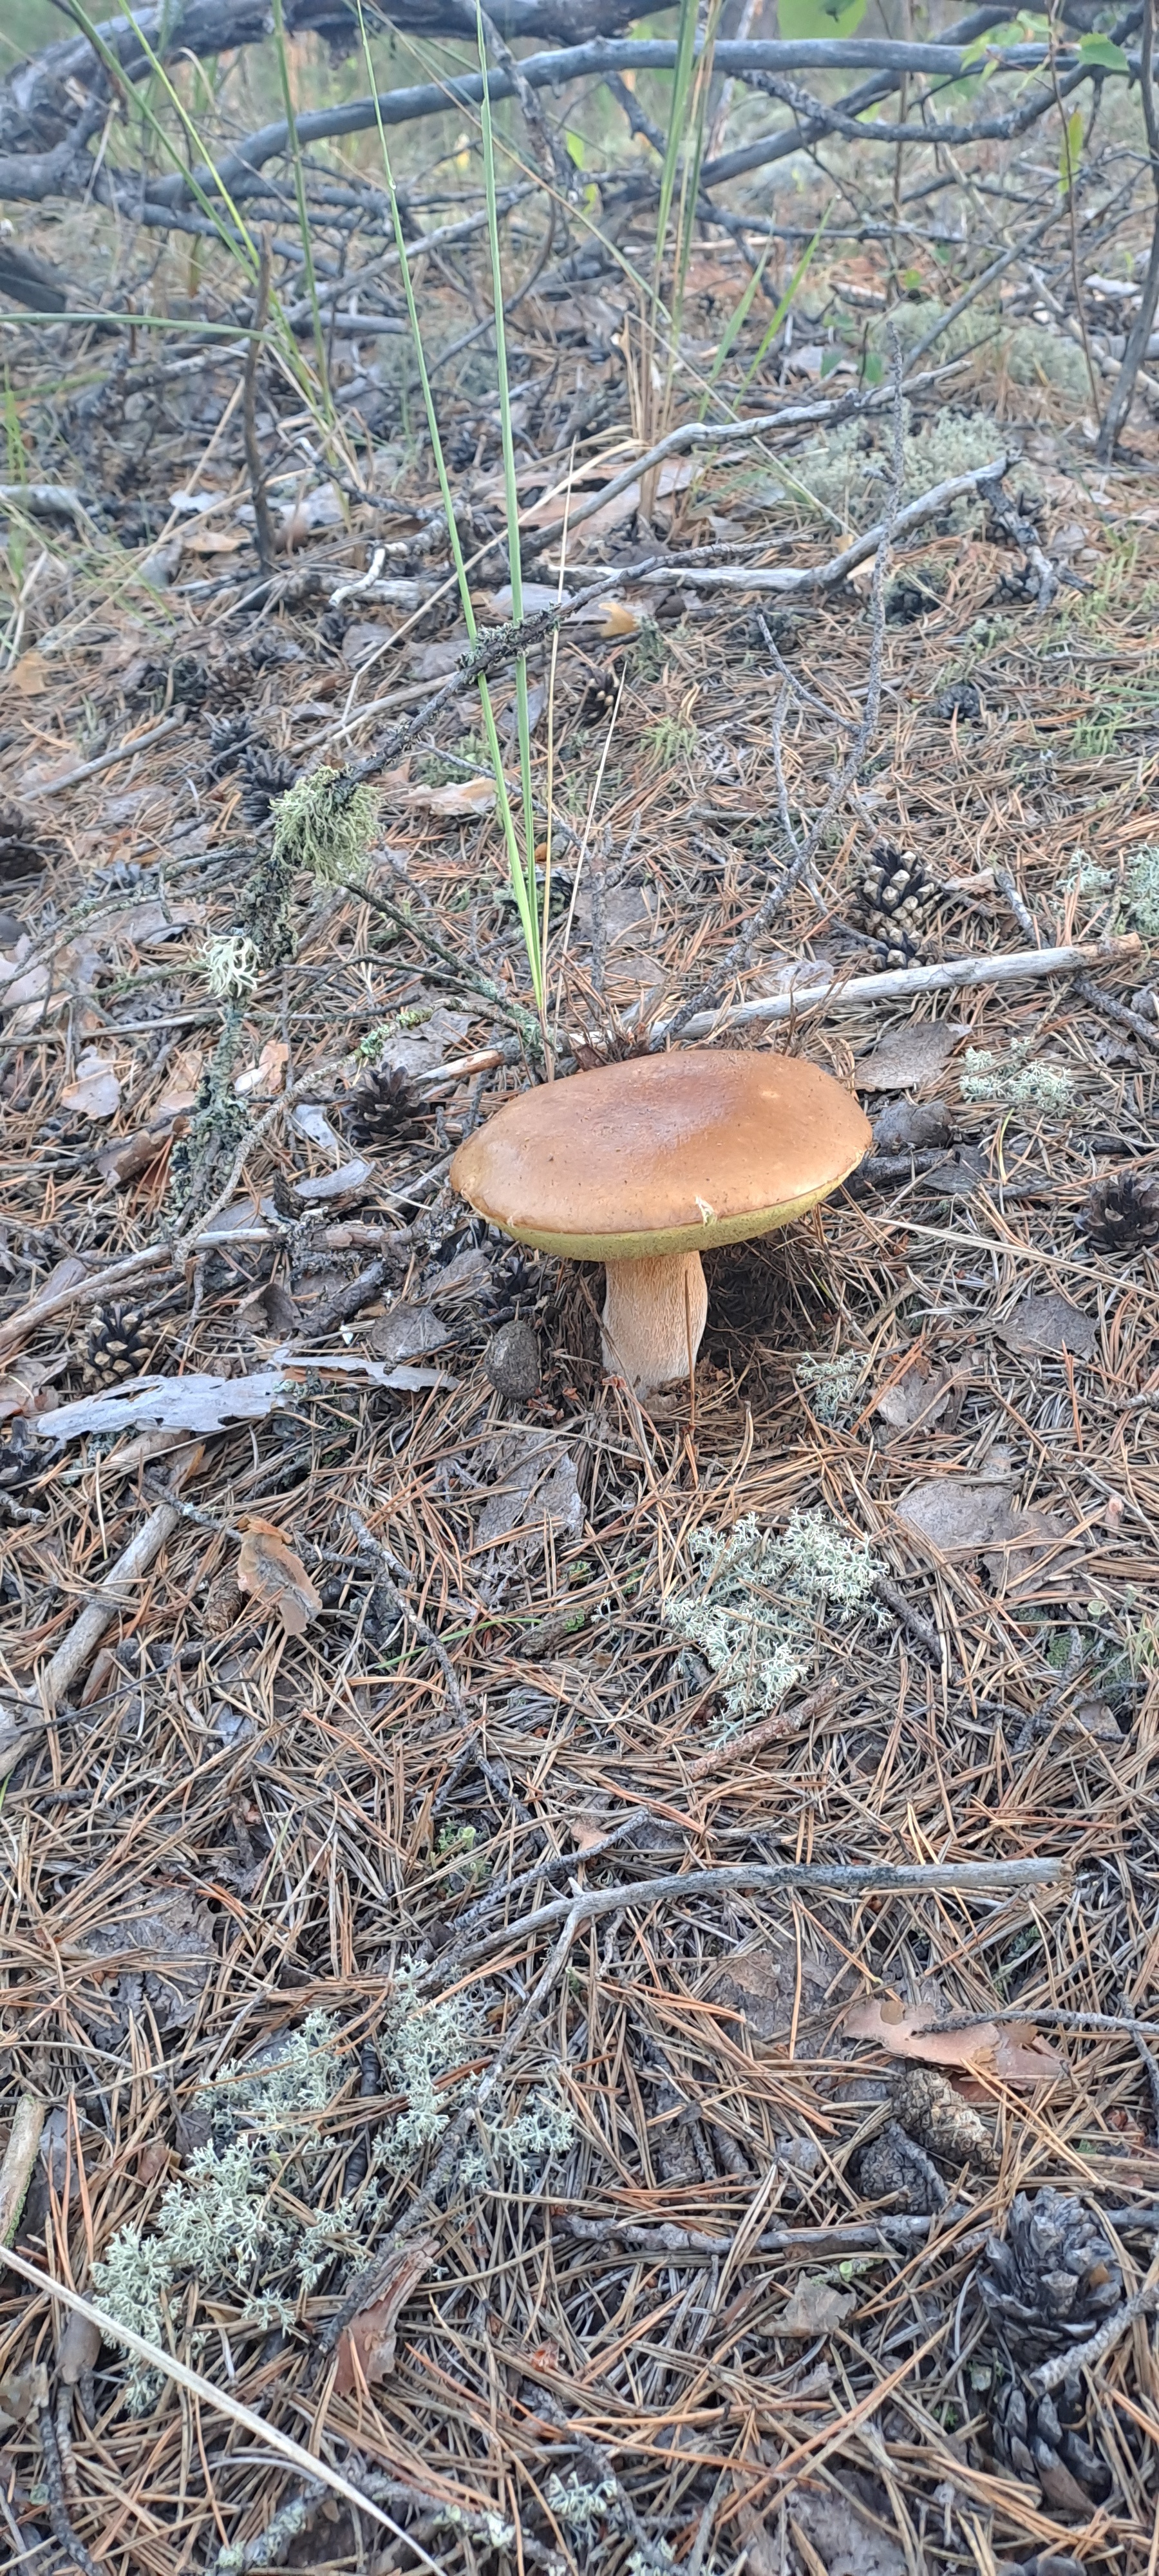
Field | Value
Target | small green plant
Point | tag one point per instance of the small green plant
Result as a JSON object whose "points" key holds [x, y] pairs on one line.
{"points": [[758, 1603], [1022, 1081], [669, 741]]}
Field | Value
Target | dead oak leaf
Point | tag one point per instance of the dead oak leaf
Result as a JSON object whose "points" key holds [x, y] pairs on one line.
{"points": [[366, 2348], [276, 1577], [1011, 2052]]}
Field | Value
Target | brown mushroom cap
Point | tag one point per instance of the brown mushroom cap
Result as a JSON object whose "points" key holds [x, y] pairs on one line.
{"points": [[664, 1153]]}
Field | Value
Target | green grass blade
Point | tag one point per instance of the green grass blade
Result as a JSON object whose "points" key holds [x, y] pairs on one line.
{"points": [[279, 27], [778, 318], [524, 892], [519, 888]]}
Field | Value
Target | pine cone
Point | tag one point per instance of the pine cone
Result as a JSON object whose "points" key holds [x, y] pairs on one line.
{"points": [[21, 853], [1040, 2437], [615, 1046], [1122, 1213], [1053, 2279], [894, 900], [266, 774], [382, 1108], [228, 738], [599, 697], [119, 1345]]}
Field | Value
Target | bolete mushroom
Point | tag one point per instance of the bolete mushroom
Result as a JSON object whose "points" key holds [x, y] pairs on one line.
{"points": [[645, 1164]]}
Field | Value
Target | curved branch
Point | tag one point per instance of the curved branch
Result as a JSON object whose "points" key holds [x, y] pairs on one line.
{"points": [[578, 62]]}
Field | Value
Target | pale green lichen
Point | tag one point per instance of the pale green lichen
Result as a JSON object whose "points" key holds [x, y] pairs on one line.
{"points": [[232, 966], [1021, 1080], [421, 2043], [219, 2222], [846, 473], [325, 823], [1032, 355], [544, 2128], [578, 2503], [831, 1385], [1141, 889], [759, 1603]]}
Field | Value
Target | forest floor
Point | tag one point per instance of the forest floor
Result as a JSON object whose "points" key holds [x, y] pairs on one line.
{"points": [[413, 1660]]}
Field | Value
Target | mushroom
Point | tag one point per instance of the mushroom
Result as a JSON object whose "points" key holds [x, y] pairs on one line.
{"points": [[644, 1164]]}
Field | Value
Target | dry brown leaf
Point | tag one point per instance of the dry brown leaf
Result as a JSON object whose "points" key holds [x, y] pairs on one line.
{"points": [[29, 675], [920, 1394], [1048, 1323], [907, 1057], [1012, 2052], [264, 1079], [96, 1092], [276, 1577], [23, 2395], [814, 2307], [367, 2347], [463, 796], [181, 1084], [211, 541]]}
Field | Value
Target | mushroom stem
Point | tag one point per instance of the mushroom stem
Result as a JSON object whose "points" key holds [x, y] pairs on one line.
{"points": [[654, 1314]]}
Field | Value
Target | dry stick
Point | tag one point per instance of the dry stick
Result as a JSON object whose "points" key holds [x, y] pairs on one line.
{"points": [[19, 1723], [772, 1878], [19, 2159], [1088, 991], [1140, 332], [954, 974], [263, 525], [366, 2289], [1083, 2356], [106, 760], [218, 2399]]}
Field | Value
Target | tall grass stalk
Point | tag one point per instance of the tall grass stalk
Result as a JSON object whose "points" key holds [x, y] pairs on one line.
{"points": [[521, 866], [279, 30]]}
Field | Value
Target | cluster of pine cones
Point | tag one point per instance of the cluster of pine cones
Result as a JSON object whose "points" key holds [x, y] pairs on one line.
{"points": [[892, 901], [1047, 2287]]}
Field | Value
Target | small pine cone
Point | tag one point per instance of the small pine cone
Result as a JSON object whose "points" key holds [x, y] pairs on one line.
{"points": [[1040, 2437], [894, 2167], [894, 899], [935, 2115], [119, 1345], [1122, 1213], [266, 775], [22, 853], [228, 738], [615, 1046], [382, 1108], [1051, 2281], [599, 697], [223, 1601]]}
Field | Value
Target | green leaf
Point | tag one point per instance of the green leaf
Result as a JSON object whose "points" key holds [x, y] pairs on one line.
{"points": [[804, 18], [1072, 150], [1100, 50], [874, 369], [831, 359]]}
